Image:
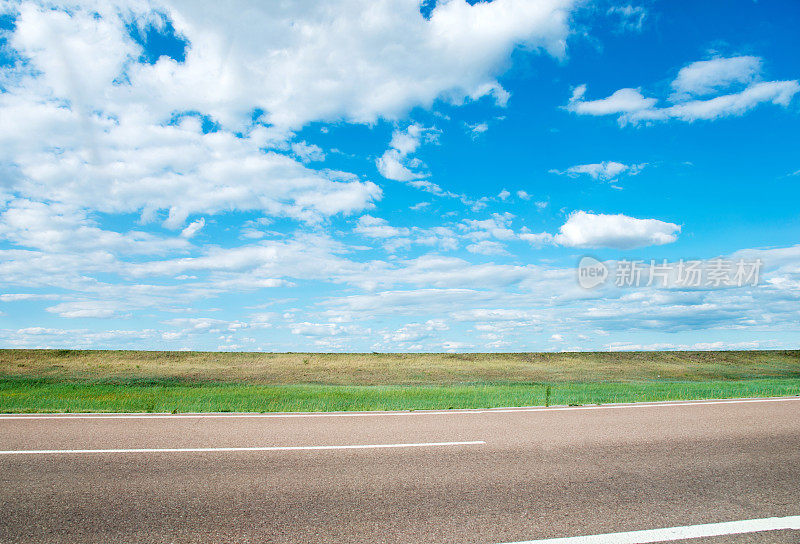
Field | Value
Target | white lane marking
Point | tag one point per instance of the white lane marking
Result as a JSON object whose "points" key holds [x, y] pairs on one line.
{"points": [[256, 448], [680, 533], [381, 413]]}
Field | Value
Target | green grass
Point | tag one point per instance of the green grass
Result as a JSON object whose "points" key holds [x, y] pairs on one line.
{"points": [[161, 381], [24, 394]]}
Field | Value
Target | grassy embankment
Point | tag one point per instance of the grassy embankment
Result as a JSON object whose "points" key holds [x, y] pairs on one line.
{"points": [[128, 381]]}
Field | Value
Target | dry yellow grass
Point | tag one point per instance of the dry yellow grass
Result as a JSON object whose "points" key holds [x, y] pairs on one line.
{"points": [[398, 369]]}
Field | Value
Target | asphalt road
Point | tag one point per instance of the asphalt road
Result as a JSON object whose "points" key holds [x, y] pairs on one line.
{"points": [[491, 476]]}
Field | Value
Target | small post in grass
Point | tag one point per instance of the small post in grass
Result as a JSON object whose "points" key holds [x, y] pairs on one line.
{"points": [[547, 396]]}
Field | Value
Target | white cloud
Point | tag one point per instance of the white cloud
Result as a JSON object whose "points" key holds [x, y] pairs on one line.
{"points": [[264, 260], [317, 329], [536, 238], [699, 346], [375, 227], [604, 171], [631, 18], [355, 60], [450, 272], [497, 226], [477, 129], [132, 165], [442, 237], [414, 332], [391, 166], [84, 309], [59, 227], [308, 152], [455, 346], [779, 93], [193, 228], [589, 230], [709, 76], [14, 297], [94, 143], [404, 302], [118, 154], [479, 236], [493, 315], [621, 101], [193, 326], [487, 247], [407, 141], [395, 163], [44, 337], [697, 79], [63, 45]]}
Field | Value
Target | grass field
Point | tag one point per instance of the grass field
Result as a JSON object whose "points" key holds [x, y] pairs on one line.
{"points": [[129, 381]]}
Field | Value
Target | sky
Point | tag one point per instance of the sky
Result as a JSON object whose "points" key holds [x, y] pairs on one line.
{"points": [[400, 175]]}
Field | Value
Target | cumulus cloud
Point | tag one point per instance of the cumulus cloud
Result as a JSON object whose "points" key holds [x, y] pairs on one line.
{"points": [[702, 78], [131, 165], [709, 76], [354, 60], [588, 230], [395, 163], [621, 101], [176, 137], [193, 228], [330, 65], [391, 166]]}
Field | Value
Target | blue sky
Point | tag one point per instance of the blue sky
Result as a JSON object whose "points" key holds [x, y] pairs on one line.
{"points": [[385, 176]]}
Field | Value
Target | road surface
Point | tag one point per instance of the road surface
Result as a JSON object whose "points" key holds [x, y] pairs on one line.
{"points": [[485, 476]]}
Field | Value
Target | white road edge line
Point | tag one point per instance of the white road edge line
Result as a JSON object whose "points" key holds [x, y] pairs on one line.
{"points": [[680, 533], [256, 448], [408, 413]]}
